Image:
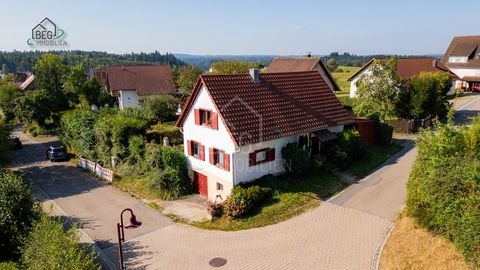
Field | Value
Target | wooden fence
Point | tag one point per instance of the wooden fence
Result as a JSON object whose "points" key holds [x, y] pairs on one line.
{"points": [[410, 125], [98, 170]]}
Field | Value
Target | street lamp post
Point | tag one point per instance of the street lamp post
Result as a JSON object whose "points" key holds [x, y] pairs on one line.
{"points": [[132, 224]]}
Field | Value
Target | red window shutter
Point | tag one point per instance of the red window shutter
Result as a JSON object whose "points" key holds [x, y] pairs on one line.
{"points": [[252, 159], [226, 162], [214, 120], [197, 116], [189, 147], [202, 152], [211, 156], [271, 154]]}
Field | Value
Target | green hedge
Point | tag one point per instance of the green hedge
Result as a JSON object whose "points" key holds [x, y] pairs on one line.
{"points": [[242, 200], [444, 186]]}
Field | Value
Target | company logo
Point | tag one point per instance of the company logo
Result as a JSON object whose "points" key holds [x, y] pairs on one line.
{"points": [[47, 34]]}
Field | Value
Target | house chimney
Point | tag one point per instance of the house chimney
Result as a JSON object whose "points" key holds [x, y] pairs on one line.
{"points": [[309, 54], [255, 74], [435, 63]]}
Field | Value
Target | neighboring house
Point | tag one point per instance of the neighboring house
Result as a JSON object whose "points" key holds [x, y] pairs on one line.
{"points": [[29, 83], [235, 126], [307, 63], [406, 69], [131, 83], [463, 58]]}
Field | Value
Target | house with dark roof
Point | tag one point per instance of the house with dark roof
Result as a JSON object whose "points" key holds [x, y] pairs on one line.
{"points": [[131, 83], [406, 69], [307, 63], [235, 126], [463, 58]]}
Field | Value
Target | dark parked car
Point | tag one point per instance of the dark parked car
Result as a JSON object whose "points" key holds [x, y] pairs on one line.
{"points": [[17, 144], [55, 153]]}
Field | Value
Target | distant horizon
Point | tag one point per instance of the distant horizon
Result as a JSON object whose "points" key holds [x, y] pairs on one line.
{"points": [[225, 55]]}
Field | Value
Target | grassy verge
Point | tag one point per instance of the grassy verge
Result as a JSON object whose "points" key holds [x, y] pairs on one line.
{"points": [[374, 157], [412, 247], [137, 187], [292, 196]]}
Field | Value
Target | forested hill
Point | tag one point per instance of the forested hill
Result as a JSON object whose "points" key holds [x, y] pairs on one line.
{"points": [[17, 61]]}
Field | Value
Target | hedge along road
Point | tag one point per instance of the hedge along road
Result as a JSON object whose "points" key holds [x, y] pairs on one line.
{"points": [[344, 233]]}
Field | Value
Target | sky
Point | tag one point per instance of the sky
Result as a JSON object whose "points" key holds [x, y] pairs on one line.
{"points": [[261, 27]]}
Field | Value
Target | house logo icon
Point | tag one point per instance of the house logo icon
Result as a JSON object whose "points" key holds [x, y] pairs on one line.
{"points": [[46, 33]]}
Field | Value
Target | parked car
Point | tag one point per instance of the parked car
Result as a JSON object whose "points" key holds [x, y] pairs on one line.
{"points": [[17, 144], [56, 152], [476, 88]]}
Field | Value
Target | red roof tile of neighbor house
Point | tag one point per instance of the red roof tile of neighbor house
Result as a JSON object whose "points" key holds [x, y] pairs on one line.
{"points": [[292, 64], [409, 67], [466, 46], [279, 105], [146, 80]]}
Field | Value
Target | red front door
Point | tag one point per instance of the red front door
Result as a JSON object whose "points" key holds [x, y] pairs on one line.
{"points": [[200, 183]]}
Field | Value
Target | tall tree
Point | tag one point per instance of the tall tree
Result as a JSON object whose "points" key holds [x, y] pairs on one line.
{"points": [[428, 94], [9, 92], [186, 78], [50, 75], [377, 91], [231, 67], [332, 65]]}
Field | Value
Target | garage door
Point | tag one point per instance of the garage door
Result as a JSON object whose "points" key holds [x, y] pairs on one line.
{"points": [[200, 182]]}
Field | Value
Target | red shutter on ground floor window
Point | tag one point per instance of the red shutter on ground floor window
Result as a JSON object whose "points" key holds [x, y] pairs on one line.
{"points": [[197, 116], [252, 159], [271, 154], [189, 147], [211, 156], [202, 152], [214, 120], [226, 162]]}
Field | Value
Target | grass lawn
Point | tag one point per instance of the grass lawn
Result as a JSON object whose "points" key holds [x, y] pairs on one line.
{"points": [[291, 197], [412, 247], [341, 78], [374, 157]]}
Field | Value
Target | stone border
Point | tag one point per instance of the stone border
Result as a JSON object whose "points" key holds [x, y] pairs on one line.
{"points": [[381, 245]]}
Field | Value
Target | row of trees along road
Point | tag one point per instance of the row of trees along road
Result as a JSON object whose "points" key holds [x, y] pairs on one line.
{"points": [[382, 95]]}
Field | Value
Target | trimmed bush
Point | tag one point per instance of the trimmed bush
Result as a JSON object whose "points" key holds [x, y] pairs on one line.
{"points": [[296, 159], [242, 200], [383, 134], [17, 213], [349, 141], [49, 247]]}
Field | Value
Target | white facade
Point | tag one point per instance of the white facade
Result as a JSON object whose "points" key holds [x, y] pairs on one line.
{"points": [[353, 82], [209, 138], [128, 99]]}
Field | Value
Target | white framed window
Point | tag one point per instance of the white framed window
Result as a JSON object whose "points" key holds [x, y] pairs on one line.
{"points": [[261, 156]]}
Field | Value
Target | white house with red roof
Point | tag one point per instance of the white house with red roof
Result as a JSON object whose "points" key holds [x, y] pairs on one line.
{"points": [[130, 83], [235, 126]]}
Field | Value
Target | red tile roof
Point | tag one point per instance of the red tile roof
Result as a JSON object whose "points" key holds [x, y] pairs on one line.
{"points": [[146, 80], [466, 46], [409, 67], [282, 104], [292, 64]]}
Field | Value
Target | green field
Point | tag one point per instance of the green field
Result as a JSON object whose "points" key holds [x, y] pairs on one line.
{"points": [[341, 78]]}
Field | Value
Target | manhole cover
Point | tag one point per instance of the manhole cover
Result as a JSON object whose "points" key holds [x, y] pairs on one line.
{"points": [[217, 262]]}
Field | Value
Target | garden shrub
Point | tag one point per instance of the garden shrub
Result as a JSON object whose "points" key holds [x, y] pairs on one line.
{"points": [[136, 146], [444, 186], [17, 213], [78, 132], [242, 200], [383, 134], [49, 247], [349, 141], [174, 158], [169, 183], [296, 159], [153, 156]]}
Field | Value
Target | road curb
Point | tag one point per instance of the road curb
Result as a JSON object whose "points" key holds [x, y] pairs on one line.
{"points": [[381, 245]]}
